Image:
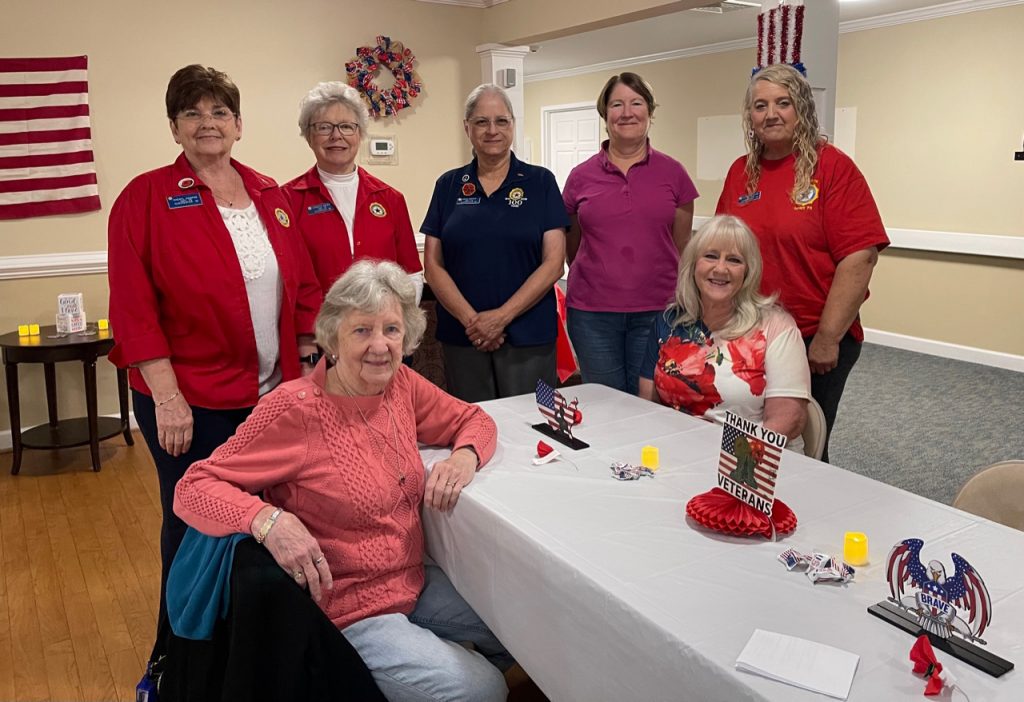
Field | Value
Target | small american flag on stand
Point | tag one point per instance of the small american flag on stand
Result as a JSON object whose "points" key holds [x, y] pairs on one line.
{"points": [[554, 407], [46, 161]]}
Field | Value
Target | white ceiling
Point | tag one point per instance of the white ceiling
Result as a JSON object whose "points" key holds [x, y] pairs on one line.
{"points": [[687, 30]]}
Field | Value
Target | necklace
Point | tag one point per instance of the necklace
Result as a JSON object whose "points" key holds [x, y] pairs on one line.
{"points": [[370, 431]]}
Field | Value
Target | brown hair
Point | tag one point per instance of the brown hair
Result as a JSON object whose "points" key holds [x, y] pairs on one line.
{"points": [[632, 81], [192, 83]]}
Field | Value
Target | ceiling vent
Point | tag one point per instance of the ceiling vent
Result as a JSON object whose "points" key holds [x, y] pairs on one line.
{"points": [[726, 6]]}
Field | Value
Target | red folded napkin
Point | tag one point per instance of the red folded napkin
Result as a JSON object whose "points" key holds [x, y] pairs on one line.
{"points": [[716, 509]]}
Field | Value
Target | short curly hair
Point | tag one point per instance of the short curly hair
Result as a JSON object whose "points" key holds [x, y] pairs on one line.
{"points": [[328, 93], [365, 288]]}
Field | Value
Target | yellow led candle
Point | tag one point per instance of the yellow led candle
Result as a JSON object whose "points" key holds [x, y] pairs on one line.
{"points": [[33, 329], [855, 548], [103, 324], [649, 457], [22, 330]]}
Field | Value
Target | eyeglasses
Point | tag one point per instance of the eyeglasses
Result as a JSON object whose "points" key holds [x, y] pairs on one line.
{"points": [[219, 114], [326, 129], [483, 123]]}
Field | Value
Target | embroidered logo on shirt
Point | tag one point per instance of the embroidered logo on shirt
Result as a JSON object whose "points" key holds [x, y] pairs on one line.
{"points": [[468, 189], [752, 197], [805, 199], [282, 217], [320, 209], [377, 210], [516, 197], [176, 202], [186, 183]]}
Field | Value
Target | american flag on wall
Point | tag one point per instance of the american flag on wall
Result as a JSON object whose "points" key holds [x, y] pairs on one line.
{"points": [[744, 452], [46, 162]]}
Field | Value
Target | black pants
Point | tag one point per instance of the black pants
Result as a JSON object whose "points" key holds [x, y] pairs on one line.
{"points": [[210, 429], [827, 389]]}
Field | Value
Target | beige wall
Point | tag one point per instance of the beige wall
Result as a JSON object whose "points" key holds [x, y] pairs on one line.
{"points": [[274, 51], [937, 152]]}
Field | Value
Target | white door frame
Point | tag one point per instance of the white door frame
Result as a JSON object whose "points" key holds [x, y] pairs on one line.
{"points": [[545, 133]]}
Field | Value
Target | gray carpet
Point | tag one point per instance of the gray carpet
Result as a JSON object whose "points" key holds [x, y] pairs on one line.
{"points": [[926, 424]]}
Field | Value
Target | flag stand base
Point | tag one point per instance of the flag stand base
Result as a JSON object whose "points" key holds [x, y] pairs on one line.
{"points": [[956, 647], [561, 436]]}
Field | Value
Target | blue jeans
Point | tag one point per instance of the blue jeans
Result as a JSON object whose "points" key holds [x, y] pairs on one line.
{"points": [[416, 658], [610, 346]]}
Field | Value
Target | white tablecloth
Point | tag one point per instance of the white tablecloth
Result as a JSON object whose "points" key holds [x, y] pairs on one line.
{"points": [[604, 591]]}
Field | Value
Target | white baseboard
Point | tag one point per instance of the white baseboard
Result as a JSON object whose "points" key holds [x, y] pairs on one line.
{"points": [[944, 349], [5, 435]]}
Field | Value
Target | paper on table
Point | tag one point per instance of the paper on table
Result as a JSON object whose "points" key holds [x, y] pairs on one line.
{"points": [[799, 662]]}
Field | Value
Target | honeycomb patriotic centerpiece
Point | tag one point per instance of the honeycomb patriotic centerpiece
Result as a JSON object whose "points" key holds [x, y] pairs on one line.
{"points": [[780, 33], [397, 59], [744, 503]]}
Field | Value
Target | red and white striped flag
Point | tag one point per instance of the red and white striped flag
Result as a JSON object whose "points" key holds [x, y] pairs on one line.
{"points": [[46, 163]]}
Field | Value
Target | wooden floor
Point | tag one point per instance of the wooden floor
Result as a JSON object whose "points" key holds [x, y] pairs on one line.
{"points": [[79, 573]]}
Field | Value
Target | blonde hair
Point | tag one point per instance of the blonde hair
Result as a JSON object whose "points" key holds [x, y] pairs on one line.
{"points": [[365, 288], [807, 138], [749, 304]]}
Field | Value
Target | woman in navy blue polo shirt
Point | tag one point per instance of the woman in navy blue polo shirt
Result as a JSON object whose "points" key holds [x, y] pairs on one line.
{"points": [[495, 242]]}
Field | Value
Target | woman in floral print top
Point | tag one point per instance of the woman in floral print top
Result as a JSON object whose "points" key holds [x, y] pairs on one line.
{"points": [[721, 345]]}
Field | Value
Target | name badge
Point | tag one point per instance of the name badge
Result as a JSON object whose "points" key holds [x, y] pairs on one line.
{"points": [[752, 197], [176, 202], [468, 201], [320, 209]]}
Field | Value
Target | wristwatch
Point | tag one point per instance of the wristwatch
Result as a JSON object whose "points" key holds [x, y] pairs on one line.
{"points": [[311, 359]]}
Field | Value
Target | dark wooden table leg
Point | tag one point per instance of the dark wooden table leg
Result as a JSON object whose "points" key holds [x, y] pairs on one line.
{"points": [[89, 366], [122, 396], [50, 374], [14, 410]]}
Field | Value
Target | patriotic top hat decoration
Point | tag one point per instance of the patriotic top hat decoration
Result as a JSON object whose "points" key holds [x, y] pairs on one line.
{"points": [[780, 33]]}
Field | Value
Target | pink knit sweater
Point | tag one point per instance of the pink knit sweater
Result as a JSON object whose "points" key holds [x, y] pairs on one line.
{"points": [[310, 453]]}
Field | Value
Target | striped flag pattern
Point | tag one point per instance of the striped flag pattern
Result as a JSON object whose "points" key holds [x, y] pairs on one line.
{"points": [[46, 161], [767, 469]]}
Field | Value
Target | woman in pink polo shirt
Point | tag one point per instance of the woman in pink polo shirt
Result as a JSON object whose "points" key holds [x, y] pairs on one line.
{"points": [[631, 211]]}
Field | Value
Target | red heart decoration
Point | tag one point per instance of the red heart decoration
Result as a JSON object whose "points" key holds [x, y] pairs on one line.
{"points": [[543, 449]]}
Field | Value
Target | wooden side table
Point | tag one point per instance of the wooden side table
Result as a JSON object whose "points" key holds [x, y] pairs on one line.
{"points": [[63, 433]]}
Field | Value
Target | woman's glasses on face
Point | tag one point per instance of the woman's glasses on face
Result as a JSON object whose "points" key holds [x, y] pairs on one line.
{"points": [[483, 123], [219, 114], [326, 129]]}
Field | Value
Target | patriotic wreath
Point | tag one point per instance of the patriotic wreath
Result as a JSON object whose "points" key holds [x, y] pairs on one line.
{"points": [[390, 55]]}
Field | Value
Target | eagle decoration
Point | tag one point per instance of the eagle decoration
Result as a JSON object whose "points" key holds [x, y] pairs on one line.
{"points": [[945, 606]]}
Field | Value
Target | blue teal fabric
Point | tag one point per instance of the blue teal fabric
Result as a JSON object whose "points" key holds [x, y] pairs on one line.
{"points": [[199, 584]]}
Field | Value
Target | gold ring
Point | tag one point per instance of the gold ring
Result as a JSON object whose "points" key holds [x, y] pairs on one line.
{"points": [[298, 575]]}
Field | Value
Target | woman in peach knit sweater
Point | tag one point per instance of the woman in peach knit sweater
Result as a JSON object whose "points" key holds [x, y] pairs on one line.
{"points": [[335, 457]]}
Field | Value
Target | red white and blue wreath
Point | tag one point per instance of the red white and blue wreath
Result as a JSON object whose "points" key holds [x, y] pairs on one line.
{"points": [[388, 55]]}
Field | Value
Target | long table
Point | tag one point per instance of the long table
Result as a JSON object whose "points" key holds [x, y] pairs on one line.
{"points": [[603, 589]]}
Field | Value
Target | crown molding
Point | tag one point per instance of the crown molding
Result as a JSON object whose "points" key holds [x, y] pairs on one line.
{"points": [[948, 9], [482, 4], [958, 7], [53, 265]]}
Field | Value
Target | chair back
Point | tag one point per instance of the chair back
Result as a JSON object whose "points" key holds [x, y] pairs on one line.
{"points": [[814, 431], [995, 493]]}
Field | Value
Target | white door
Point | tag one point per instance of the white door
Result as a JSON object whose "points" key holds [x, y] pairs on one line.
{"points": [[572, 134]]}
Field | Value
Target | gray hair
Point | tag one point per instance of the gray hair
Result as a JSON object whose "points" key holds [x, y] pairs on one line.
{"points": [[365, 288], [334, 92], [750, 304], [485, 89]]}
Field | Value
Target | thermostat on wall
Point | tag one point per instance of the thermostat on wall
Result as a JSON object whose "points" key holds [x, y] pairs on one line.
{"points": [[383, 151], [382, 146]]}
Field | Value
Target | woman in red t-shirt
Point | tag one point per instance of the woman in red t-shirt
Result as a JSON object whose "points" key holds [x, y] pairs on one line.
{"points": [[816, 222]]}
